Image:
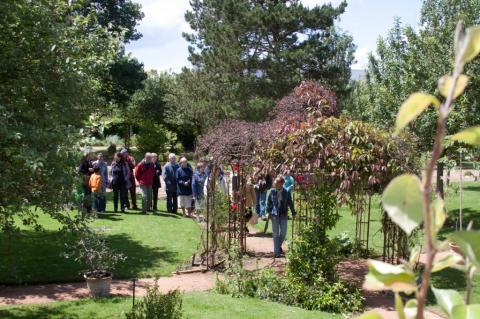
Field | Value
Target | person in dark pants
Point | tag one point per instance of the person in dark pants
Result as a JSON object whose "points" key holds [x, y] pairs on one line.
{"points": [[169, 176], [86, 170], [156, 181], [119, 181], [184, 187], [278, 203], [130, 160]]}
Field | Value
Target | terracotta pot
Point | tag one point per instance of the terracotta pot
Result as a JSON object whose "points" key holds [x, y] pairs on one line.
{"points": [[99, 287]]}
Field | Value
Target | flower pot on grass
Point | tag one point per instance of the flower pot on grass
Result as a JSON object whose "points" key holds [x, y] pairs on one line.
{"points": [[92, 250], [99, 286]]}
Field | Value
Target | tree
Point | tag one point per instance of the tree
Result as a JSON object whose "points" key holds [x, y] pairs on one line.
{"points": [[408, 60], [256, 51], [118, 16], [125, 76], [52, 59]]}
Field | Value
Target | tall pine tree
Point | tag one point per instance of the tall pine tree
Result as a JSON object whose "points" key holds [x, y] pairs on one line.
{"points": [[256, 51]]}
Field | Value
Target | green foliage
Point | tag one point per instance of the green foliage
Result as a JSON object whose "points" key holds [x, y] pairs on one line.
{"points": [[409, 59], [119, 16], [153, 137], [337, 296], [53, 58], [402, 200], [312, 254], [156, 305], [345, 244]]}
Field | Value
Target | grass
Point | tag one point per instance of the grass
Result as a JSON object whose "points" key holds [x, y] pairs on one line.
{"points": [[154, 245], [198, 305]]}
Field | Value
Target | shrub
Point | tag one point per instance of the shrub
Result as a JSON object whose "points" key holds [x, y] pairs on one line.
{"points": [[154, 137], [344, 243], [313, 253], [156, 305]]}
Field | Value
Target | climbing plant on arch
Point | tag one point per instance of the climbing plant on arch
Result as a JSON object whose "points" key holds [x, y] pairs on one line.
{"points": [[335, 160]]}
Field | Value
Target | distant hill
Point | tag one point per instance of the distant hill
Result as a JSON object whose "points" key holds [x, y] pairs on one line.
{"points": [[358, 75]]}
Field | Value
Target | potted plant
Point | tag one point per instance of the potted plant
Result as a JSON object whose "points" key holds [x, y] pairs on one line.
{"points": [[99, 260]]}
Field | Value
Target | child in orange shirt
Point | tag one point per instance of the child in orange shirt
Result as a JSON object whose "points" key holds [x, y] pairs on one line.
{"points": [[95, 184]]}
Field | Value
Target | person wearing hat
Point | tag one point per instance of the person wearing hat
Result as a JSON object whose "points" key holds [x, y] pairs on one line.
{"points": [[130, 160]]}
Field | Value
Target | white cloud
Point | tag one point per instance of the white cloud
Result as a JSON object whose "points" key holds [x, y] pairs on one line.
{"points": [[163, 14], [361, 57]]}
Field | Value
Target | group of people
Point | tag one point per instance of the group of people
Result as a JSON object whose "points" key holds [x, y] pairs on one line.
{"points": [[184, 188], [121, 178]]}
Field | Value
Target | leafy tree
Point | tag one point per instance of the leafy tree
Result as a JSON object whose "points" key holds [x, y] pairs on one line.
{"points": [[52, 58], [124, 77], [118, 16], [255, 51], [408, 60]]}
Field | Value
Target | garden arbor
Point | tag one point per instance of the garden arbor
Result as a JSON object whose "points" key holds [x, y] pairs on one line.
{"points": [[334, 161]]}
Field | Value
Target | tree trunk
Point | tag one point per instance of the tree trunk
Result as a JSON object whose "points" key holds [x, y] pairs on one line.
{"points": [[440, 189]]}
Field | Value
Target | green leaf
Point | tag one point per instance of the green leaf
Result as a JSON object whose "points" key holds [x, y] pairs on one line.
{"points": [[469, 135], [450, 259], [414, 255], [399, 306], [469, 244], [402, 200], [411, 309], [439, 215], [383, 276], [447, 299], [445, 84], [471, 45], [370, 315], [466, 312], [412, 108]]}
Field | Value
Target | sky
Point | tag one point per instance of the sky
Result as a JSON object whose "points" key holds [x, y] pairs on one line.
{"points": [[163, 48]]}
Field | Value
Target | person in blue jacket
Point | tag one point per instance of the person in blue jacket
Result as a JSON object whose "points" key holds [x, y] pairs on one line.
{"points": [[184, 187], [289, 182], [278, 202], [199, 178], [169, 176]]}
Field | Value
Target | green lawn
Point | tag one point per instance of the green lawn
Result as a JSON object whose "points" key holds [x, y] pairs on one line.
{"points": [[154, 245], [199, 305]]}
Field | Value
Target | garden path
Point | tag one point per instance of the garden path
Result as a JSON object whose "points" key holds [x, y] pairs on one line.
{"points": [[258, 246]]}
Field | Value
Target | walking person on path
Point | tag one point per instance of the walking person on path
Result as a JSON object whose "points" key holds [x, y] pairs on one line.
{"points": [[278, 203], [184, 187], [156, 181], [144, 173], [169, 176], [102, 165], [198, 184], [130, 160], [119, 181], [289, 182]]}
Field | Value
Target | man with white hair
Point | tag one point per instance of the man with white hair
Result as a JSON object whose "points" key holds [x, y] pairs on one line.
{"points": [[169, 176]]}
